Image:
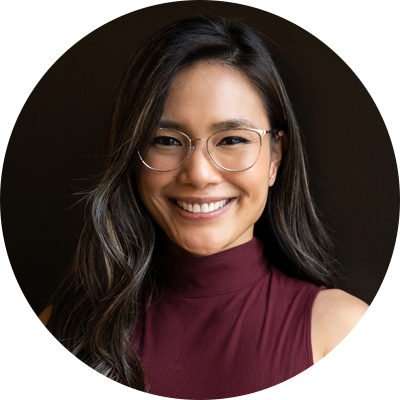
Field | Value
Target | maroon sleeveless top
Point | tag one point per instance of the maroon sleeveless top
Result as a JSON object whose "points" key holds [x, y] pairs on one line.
{"points": [[224, 325]]}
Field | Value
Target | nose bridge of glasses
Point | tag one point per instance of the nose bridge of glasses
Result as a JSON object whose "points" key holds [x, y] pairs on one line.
{"points": [[193, 147], [193, 140]]}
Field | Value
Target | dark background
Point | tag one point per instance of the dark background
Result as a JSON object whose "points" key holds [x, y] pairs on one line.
{"points": [[55, 146]]}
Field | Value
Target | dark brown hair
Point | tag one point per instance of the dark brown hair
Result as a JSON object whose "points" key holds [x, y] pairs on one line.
{"points": [[95, 309]]}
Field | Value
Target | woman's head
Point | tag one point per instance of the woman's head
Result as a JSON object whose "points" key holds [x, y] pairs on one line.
{"points": [[289, 221], [226, 48]]}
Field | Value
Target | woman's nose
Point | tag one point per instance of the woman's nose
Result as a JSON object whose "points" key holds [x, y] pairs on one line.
{"points": [[199, 169]]}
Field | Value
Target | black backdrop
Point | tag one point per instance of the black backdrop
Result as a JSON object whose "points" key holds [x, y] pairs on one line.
{"points": [[55, 145]]}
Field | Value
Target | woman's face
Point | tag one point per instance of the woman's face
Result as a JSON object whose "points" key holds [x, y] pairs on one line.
{"points": [[201, 97]]}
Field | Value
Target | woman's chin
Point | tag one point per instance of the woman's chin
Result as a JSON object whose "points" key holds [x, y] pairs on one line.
{"points": [[204, 243], [194, 248]]}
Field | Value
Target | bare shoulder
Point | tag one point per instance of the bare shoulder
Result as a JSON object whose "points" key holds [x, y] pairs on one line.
{"points": [[340, 305], [31, 363], [349, 336]]}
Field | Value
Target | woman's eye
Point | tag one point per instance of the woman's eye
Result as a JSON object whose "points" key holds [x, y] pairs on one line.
{"points": [[232, 140], [166, 141]]}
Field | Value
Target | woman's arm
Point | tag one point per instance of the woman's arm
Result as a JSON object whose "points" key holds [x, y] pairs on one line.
{"points": [[31, 363], [354, 356]]}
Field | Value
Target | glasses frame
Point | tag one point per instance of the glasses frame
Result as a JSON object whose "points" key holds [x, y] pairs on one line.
{"points": [[261, 133]]}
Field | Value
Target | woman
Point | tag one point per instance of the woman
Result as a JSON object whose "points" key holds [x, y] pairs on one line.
{"points": [[177, 285]]}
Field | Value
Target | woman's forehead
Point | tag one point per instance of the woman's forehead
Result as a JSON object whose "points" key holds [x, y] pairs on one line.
{"points": [[212, 94]]}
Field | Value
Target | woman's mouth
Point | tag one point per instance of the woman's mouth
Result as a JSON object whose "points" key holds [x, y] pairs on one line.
{"points": [[203, 208]]}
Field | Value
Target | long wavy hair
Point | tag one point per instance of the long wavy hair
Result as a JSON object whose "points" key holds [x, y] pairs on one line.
{"points": [[95, 309]]}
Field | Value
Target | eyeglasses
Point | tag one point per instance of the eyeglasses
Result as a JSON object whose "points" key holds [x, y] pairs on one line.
{"points": [[233, 150]]}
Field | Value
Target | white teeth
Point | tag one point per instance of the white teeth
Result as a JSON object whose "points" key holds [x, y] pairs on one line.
{"points": [[203, 208], [196, 208]]}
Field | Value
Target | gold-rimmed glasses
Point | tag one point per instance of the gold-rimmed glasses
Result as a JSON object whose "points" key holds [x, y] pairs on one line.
{"points": [[233, 150]]}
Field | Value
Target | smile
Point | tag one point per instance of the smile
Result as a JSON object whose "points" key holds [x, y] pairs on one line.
{"points": [[202, 208]]}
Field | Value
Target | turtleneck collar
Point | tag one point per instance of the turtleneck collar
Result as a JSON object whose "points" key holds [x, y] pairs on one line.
{"points": [[228, 271]]}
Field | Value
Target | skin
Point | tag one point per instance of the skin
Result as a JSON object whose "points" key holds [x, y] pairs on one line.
{"points": [[200, 97]]}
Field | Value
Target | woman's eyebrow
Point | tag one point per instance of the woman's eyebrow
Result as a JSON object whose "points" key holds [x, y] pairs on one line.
{"points": [[227, 124], [232, 123], [168, 124]]}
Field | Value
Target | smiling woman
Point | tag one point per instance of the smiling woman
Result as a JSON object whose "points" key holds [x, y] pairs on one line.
{"points": [[171, 291]]}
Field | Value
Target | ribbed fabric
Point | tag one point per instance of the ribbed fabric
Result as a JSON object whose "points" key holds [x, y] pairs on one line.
{"points": [[224, 325]]}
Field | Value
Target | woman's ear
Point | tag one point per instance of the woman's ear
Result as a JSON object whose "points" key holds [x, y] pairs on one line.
{"points": [[277, 145]]}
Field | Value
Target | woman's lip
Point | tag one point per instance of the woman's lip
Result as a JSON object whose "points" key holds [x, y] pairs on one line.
{"points": [[200, 200], [201, 216]]}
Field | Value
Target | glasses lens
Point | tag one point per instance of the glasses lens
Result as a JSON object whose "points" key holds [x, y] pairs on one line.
{"points": [[235, 150], [166, 151]]}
